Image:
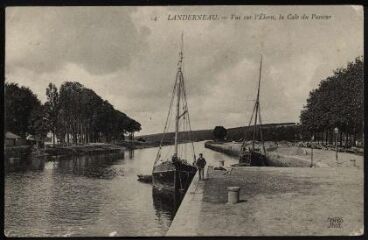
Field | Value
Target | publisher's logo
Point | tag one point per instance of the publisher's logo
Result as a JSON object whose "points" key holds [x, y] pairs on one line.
{"points": [[335, 222]]}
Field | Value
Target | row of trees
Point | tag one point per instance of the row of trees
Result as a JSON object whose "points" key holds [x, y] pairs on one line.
{"points": [[336, 103], [270, 132], [73, 114]]}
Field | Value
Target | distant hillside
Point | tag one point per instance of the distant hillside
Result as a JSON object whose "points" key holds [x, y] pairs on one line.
{"points": [[271, 131], [198, 135]]}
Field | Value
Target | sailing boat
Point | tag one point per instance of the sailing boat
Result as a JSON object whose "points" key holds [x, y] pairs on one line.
{"points": [[172, 172], [252, 156]]}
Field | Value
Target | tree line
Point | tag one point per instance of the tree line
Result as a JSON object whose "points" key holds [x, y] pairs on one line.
{"points": [[270, 132], [336, 103], [74, 114]]}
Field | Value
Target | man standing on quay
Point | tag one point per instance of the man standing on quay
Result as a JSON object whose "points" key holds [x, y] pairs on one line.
{"points": [[201, 163]]}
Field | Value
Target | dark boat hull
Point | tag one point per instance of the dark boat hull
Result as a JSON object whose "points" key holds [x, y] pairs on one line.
{"points": [[172, 177], [166, 202], [253, 158], [145, 178]]}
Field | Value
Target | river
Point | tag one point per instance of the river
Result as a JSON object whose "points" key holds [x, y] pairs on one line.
{"points": [[89, 196]]}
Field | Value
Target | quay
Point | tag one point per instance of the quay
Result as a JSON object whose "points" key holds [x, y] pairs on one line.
{"points": [[290, 155], [276, 201]]}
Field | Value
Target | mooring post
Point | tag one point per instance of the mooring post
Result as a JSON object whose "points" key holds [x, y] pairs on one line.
{"points": [[336, 130], [233, 195], [312, 139], [353, 161], [311, 157]]}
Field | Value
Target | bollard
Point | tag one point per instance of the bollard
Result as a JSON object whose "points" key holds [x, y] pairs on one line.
{"points": [[353, 161], [233, 195]]}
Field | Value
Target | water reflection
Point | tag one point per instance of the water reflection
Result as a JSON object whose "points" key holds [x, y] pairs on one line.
{"points": [[89, 195], [131, 153], [24, 164], [92, 166], [166, 203], [73, 203]]}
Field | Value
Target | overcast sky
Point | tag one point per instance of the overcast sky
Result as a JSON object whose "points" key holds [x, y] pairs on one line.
{"points": [[131, 60]]}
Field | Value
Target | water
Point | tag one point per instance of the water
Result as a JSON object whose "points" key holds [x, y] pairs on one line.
{"points": [[89, 196]]}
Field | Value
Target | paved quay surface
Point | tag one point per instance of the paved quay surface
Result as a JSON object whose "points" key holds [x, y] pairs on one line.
{"points": [[274, 201], [289, 155]]}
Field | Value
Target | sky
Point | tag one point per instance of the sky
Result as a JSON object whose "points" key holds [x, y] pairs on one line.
{"points": [[129, 55]]}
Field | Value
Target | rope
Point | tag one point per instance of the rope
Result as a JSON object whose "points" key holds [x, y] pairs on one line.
{"points": [[250, 122], [189, 124], [181, 185], [166, 123], [260, 129], [185, 125]]}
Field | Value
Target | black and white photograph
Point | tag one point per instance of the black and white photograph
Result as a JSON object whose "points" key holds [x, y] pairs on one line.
{"points": [[169, 121]]}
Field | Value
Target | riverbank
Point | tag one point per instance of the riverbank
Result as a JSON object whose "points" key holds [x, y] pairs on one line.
{"points": [[74, 150], [286, 154], [138, 144], [85, 149], [79, 150], [274, 201], [148, 144]]}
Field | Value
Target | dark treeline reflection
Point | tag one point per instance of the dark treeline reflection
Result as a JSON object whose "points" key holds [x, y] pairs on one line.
{"points": [[24, 164], [94, 166], [131, 153]]}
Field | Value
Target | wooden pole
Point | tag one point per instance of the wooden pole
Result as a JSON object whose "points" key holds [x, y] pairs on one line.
{"points": [[179, 77], [257, 103]]}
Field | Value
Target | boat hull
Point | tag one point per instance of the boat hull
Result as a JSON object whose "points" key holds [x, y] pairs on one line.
{"points": [[145, 178], [172, 177], [253, 158]]}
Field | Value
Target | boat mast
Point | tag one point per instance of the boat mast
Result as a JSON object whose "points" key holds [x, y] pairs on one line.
{"points": [[179, 77], [257, 104]]}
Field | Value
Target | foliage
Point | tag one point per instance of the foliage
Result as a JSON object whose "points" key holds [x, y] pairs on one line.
{"points": [[52, 107], [20, 102], [38, 123], [219, 133], [75, 114], [337, 102], [86, 117]]}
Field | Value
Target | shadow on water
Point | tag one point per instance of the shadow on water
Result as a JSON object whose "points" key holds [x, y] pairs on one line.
{"points": [[166, 203]]}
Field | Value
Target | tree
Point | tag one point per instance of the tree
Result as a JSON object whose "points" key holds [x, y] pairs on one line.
{"points": [[38, 123], [19, 104], [84, 116], [132, 126], [52, 109], [219, 133], [337, 102], [74, 113]]}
